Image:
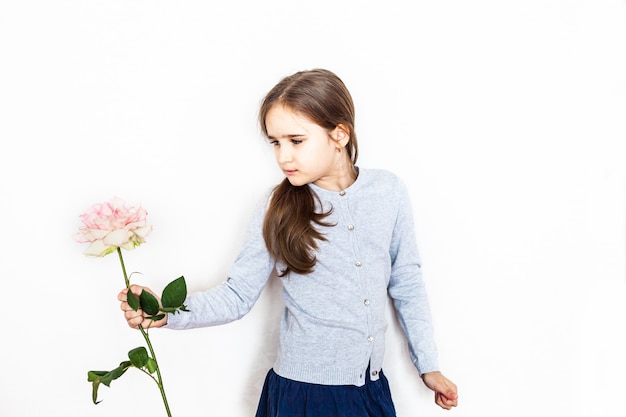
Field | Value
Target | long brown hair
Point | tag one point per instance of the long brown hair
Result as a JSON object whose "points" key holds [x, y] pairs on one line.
{"points": [[289, 226]]}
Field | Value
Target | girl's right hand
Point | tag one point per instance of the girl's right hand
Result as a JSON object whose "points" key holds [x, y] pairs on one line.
{"points": [[135, 318]]}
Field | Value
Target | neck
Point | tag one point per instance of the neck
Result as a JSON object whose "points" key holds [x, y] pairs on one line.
{"points": [[344, 176]]}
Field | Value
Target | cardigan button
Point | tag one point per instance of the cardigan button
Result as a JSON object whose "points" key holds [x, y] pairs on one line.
{"points": [[370, 338], [358, 264], [342, 193]]}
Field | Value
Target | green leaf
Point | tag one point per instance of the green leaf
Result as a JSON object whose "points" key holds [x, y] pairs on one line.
{"points": [[133, 300], [174, 293], [94, 378], [105, 377], [151, 365], [115, 373], [149, 303], [94, 388], [138, 357], [93, 375]]}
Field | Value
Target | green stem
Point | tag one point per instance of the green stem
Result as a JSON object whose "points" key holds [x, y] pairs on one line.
{"points": [[144, 333], [158, 370], [126, 280]]}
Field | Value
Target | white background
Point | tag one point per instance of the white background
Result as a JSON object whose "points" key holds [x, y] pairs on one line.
{"points": [[505, 118]]}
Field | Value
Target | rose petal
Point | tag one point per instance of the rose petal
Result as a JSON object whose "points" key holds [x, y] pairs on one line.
{"points": [[118, 237], [98, 248]]}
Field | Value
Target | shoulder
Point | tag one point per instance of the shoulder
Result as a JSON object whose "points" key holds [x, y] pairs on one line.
{"points": [[382, 178]]}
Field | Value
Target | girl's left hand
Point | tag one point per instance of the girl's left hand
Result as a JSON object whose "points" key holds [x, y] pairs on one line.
{"points": [[446, 395]]}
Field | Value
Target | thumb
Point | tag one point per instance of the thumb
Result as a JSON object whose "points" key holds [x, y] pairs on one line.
{"points": [[450, 394], [445, 389], [136, 289]]}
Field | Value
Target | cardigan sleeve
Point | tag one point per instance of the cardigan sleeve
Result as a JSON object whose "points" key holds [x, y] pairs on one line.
{"points": [[236, 295], [408, 291]]}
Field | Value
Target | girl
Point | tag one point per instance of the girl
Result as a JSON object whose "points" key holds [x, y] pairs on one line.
{"points": [[341, 238]]}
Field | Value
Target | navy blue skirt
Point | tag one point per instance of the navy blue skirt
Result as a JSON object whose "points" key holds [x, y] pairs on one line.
{"points": [[282, 397]]}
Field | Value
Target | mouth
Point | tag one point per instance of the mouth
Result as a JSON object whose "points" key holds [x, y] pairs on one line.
{"points": [[289, 172]]}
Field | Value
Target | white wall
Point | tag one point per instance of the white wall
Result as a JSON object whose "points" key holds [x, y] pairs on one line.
{"points": [[506, 119]]}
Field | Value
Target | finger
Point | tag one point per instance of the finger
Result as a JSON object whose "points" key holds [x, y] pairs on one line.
{"points": [[135, 321], [442, 401], [449, 401], [121, 296], [132, 315], [450, 394], [439, 400], [125, 306]]}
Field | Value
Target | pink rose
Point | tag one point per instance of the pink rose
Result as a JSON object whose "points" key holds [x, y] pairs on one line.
{"points": [[112, 225]]}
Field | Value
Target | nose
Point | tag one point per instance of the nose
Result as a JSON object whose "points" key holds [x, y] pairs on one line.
{"points": [[283, 154]]}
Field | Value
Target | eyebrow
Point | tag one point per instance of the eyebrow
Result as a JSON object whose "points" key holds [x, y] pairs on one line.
{"points": [[286, 136]]}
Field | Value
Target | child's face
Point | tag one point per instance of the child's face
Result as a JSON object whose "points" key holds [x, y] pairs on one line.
{"points": [[304, 151]]}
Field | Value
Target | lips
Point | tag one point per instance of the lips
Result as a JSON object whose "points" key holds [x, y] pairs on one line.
{"points": [[289, 171]]}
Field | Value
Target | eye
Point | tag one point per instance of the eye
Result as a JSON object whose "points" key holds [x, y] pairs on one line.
{"points": [[273, 142], [296, 141]]}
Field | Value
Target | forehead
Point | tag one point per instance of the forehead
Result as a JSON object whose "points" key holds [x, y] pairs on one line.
{"points": [[282, 121]]}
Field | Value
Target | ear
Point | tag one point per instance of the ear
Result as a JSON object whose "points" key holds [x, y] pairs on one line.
{"points": [[341, 135]]}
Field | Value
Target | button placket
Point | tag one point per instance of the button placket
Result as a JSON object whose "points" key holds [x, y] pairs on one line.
{"points": [[358, 264]]}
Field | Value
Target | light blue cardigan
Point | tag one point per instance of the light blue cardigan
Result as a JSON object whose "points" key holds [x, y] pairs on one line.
{"points": [[334, 322]]}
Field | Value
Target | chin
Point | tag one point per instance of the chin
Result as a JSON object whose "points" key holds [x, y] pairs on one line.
{"points": [[296, 182]]}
